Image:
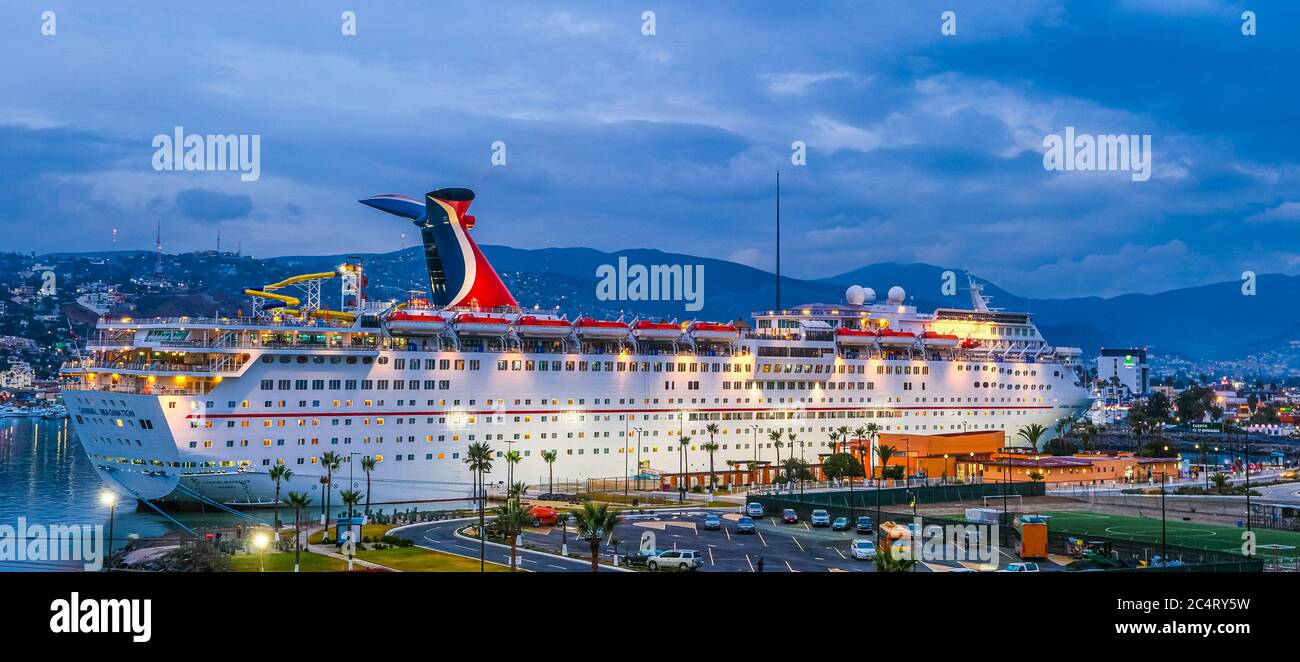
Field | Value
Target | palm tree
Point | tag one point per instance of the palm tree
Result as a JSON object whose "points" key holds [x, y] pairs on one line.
{"points": [[1032, 433], [517, 490], [685, 444], [775, 437], [511, 519], [478, 456], [711, 447], [592, 520], [350, 498], [330, 461], [367, 465], [512, 458], [298, 501], [1220, 482], [883, 453], [872, 432], [549, 457], [834, 436], [278, 473]]}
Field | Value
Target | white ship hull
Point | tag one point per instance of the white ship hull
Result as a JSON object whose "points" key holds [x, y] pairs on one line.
{"points": [[221, 445]]}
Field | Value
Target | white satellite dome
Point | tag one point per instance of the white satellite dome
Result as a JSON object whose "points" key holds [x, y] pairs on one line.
{"points": [[896, 295], [870, 294], [855, 295]]}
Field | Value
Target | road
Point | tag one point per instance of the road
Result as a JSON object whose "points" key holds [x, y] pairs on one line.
{"points": [[441, 536]]}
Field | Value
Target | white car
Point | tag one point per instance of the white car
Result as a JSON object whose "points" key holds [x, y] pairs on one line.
{"points": [[676, 559], [1020, 567], [863, 549]]}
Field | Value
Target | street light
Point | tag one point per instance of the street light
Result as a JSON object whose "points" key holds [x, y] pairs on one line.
{"points": [[109, 498], [259, 542]]}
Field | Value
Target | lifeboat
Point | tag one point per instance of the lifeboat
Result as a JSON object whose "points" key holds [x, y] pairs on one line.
{"points": [[970, 343], [713, 331], [858, 337], [893, 338], [936, 339], [468, 324], [529, 326], [594, 329], [415, 322], [647, 330]]}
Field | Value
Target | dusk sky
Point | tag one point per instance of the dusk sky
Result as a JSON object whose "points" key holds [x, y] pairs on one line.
{"points": [[920, 147]]}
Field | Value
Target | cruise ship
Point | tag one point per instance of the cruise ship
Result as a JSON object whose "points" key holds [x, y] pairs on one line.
{"points": [[199, 410]]}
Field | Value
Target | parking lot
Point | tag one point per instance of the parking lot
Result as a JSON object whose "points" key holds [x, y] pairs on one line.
{"points": [[781, 547]]}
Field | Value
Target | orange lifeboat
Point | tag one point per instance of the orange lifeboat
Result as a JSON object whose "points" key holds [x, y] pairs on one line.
{"points": [[970, 343], [530, 326], [713, 331], [647, 330], [936, 339], [415, 322], [594, 329], [897, 338], [855, 337], [469, 324]]}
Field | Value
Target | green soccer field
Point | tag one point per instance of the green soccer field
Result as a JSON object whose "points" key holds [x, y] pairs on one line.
{"points": [[1185, 534]]}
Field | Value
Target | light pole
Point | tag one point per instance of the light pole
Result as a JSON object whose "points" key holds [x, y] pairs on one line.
{"points": [[1164, 539], [259, 543], [1247, 465], [109, 498], [627, 436], [640, 432], [753, 479]]}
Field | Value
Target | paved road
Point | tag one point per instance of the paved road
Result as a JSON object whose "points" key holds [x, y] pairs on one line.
{"points": [[440, 536], [783, 547], [1289, 493]]}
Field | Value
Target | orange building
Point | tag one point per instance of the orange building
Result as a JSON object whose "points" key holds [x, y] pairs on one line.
{"points": [[931, 455], [1078, 469]]}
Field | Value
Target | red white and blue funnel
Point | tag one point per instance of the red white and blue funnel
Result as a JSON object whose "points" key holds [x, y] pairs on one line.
{"points": [[459, 274]]}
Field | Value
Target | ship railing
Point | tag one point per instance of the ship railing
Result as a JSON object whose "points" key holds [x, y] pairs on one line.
{"points": [[118, 322], [152, 367]]}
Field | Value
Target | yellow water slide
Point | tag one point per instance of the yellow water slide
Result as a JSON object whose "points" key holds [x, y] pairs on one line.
{"points": [[267, 291]]}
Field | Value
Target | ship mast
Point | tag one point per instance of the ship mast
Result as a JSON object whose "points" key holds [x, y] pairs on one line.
{"points": [[778, 240]]}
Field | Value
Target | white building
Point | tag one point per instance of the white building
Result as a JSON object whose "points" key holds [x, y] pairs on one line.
{"points": [[1128, 365], [19, 375]]}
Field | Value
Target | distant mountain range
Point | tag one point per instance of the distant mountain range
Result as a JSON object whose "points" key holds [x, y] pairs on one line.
{"points": [[1209, 322]]}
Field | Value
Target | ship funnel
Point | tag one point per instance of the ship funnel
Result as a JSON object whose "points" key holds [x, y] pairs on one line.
{"points": [[459, 274]]}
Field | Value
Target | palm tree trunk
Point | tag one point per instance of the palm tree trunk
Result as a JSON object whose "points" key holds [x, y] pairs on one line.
{"points": [[367, 494], [277, 510], [512, 552], [297, 537], [595, 553]]}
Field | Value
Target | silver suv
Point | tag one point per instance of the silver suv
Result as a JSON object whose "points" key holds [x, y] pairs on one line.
{"points": [[676, 559]]}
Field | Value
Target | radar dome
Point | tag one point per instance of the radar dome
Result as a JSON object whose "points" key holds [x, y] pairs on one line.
{"points": [[870, 294], [855, 295], [896, 295]]}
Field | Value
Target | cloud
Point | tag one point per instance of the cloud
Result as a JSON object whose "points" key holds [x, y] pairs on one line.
{"points": [[798, 84], [213, 206], [1285, 212]]}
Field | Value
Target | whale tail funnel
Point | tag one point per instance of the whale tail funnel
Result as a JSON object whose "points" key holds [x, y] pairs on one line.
{"points": [[459, 274]]}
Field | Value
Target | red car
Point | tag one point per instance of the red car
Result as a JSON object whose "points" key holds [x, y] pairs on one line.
{"points": [[544, 515], [789, 516]]}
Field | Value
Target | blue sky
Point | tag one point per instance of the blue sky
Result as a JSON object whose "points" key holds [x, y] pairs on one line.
{"points": [[921, 147]]}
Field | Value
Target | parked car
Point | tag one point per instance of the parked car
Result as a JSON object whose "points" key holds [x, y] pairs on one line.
{"points": [[821, 518], [840, 524], [544, 515], [865, 525], [1020, 567], [676, 559], [745, 525], [755, 509], [712, 522], [639, 557], [863, 549], [789, 516]]}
